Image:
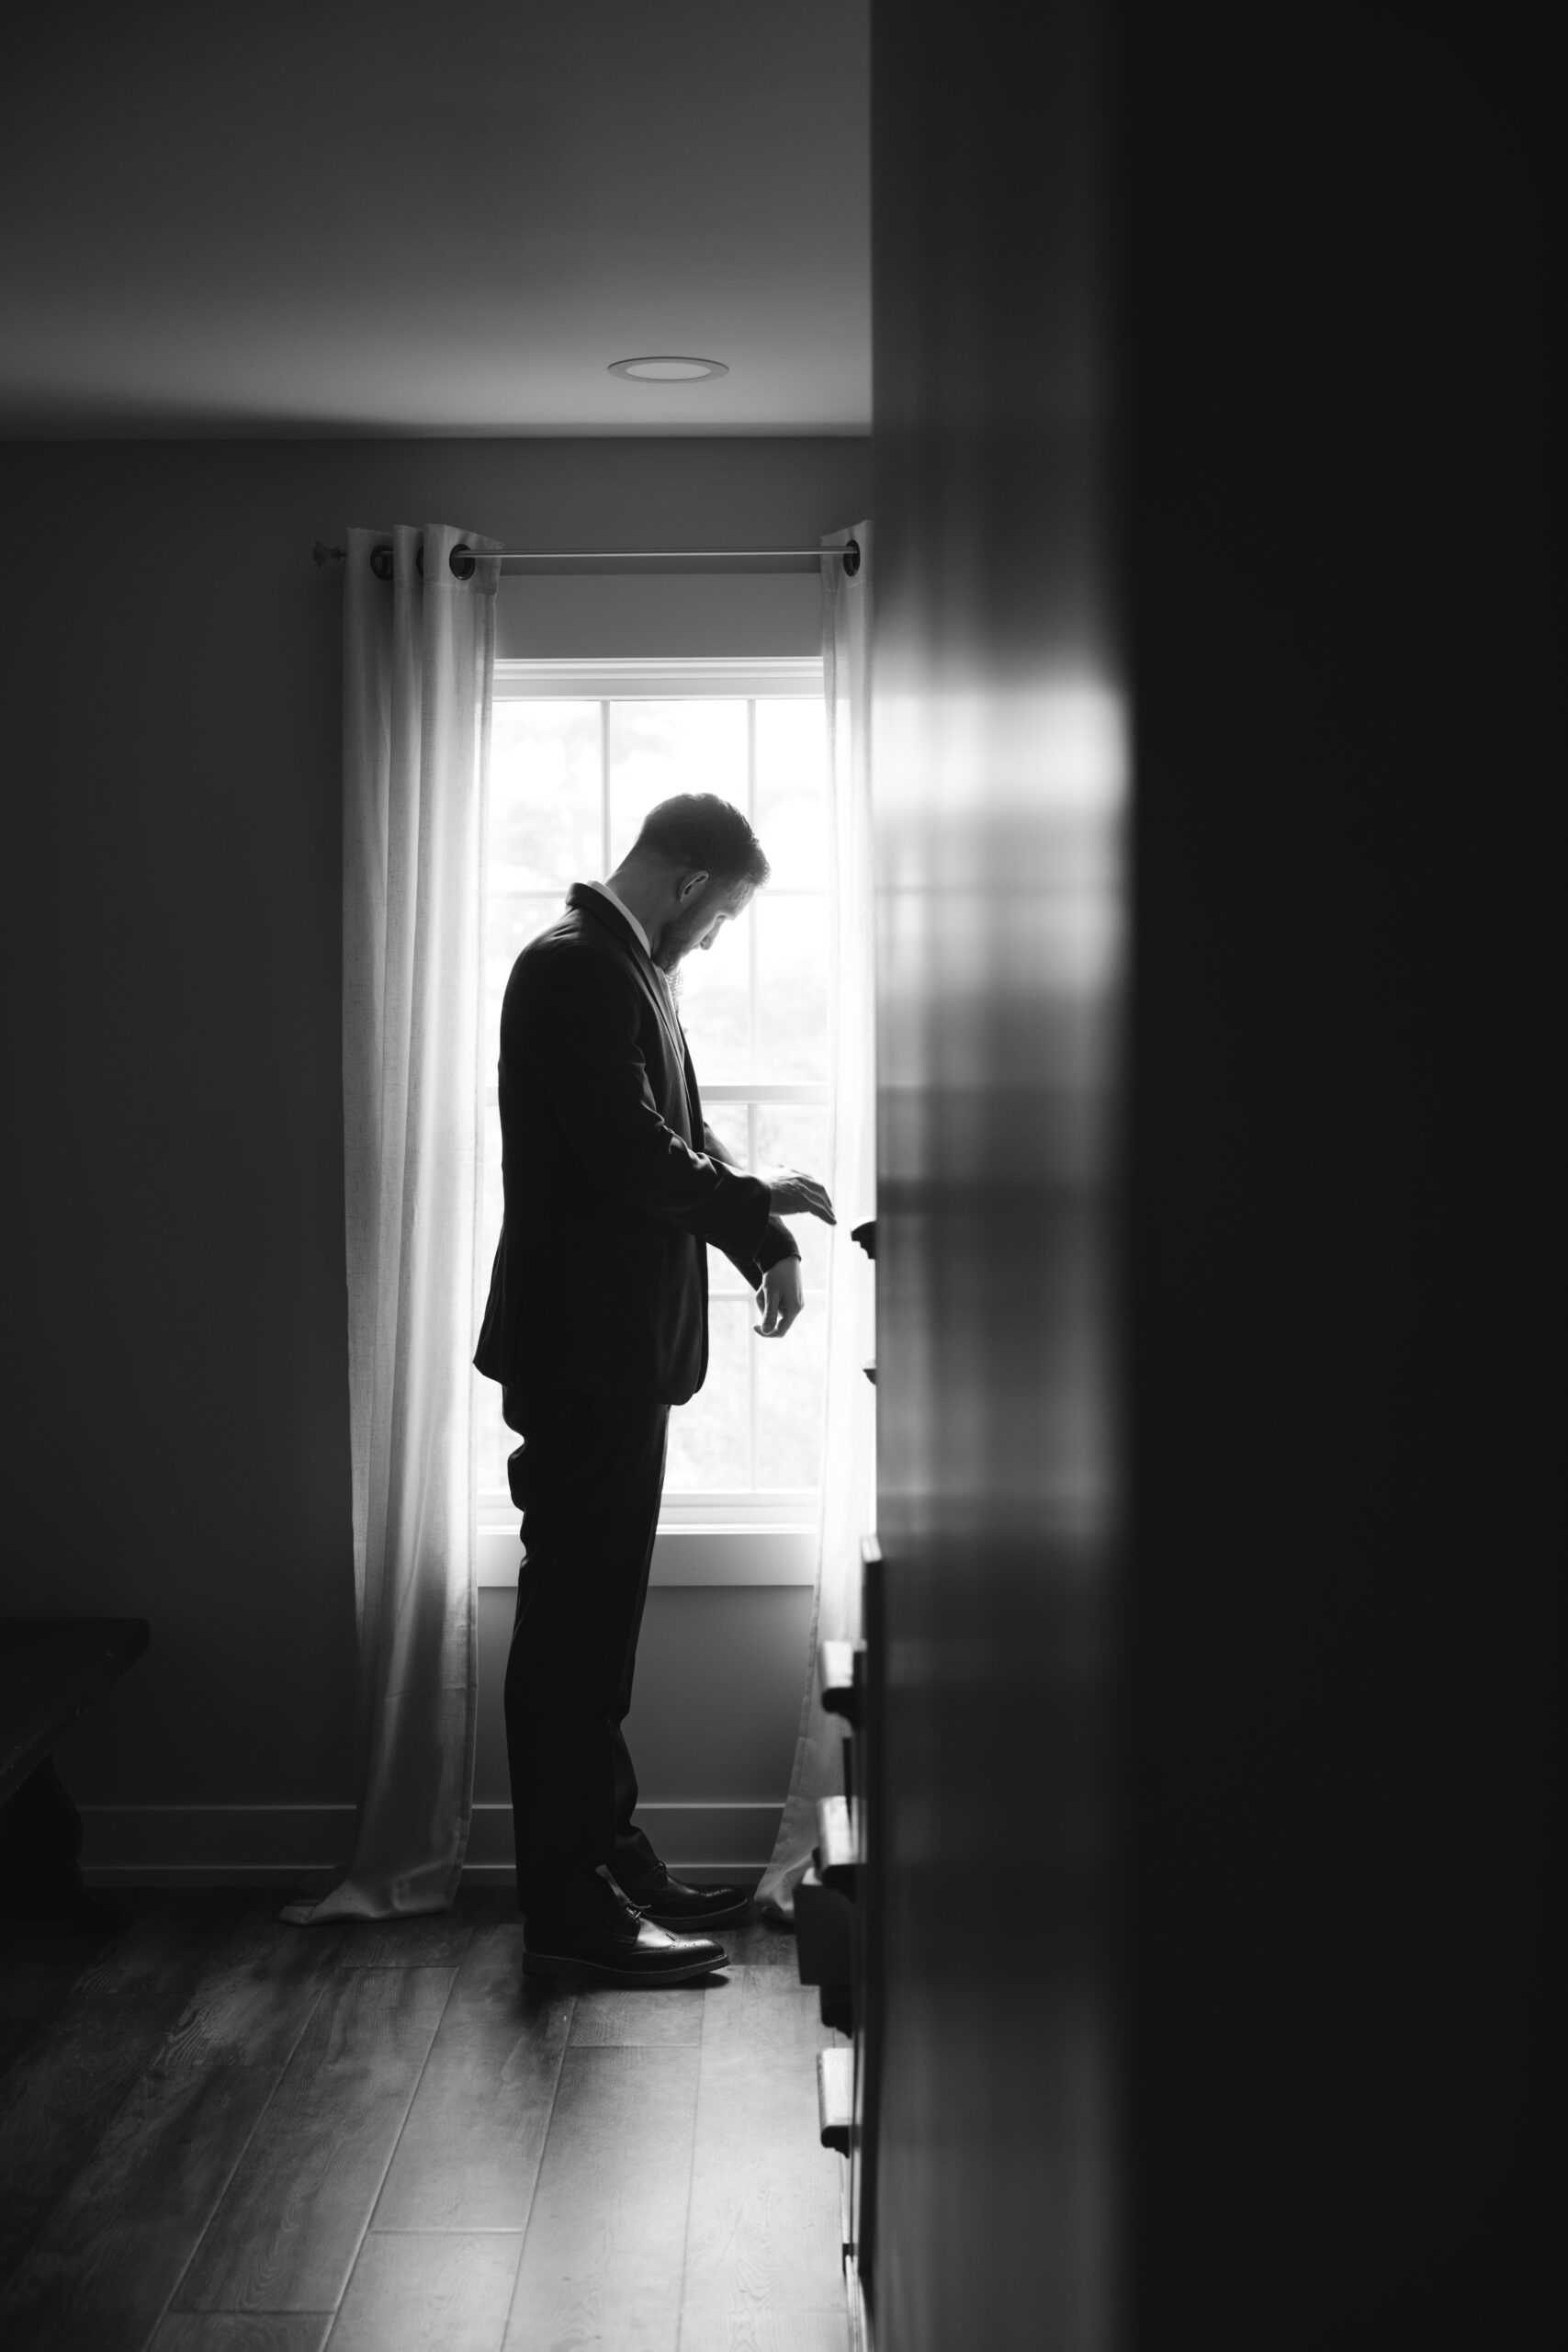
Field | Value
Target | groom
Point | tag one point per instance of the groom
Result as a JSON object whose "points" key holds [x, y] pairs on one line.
{"points": [[596, 1325]]}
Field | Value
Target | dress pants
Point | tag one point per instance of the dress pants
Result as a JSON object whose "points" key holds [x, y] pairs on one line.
{"points": [[587, 1478]]}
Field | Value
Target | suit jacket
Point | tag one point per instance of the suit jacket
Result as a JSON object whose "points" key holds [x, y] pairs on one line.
{"points": [[599, 1281]]}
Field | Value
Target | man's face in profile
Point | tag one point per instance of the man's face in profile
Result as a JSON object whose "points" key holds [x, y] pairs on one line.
{"points": [[717, 903]]}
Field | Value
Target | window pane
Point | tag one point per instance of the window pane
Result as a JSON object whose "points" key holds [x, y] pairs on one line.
{"points": [[791, 1392], [545, 803], [713, 990], [510, 923], [789, 1134], [546, 829], [658, 749], [792, 1135], [723, 1279], [495, 1440], [491, 1206], [792, 792], [791, 1371], [792, 987], [710, 1438], [728, 1123]]}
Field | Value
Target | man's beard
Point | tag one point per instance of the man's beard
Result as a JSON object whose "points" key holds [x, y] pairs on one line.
{"points": [[675, 946]]}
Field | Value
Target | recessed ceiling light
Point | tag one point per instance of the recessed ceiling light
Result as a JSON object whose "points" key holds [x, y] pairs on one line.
{"points": [[668, 370]]}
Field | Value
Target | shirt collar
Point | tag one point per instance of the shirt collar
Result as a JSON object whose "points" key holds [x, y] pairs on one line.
{"points": [[616, 900]]}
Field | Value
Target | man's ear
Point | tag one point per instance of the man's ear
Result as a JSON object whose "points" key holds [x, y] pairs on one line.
{"points": [[692, 885]]}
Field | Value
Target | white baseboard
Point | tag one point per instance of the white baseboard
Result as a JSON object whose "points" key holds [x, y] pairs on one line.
{"points": [[262, 1845], [212, 1845]]}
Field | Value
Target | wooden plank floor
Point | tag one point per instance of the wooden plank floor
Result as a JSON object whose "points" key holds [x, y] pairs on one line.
{"points": [[221, 2134]]}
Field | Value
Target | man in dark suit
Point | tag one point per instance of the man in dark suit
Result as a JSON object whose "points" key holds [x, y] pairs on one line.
{"points": [[596, 1325]]}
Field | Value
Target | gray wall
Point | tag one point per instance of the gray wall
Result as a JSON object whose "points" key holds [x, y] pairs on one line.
{"points": [[175, 1415]]}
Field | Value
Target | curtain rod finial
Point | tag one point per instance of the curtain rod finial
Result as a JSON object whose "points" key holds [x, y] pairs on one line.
{"points": [[320, 553]]}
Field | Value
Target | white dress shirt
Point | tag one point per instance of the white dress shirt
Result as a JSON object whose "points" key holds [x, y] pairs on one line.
{"points": [[616, 900]]}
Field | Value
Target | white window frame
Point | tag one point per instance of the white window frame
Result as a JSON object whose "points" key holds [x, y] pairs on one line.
{"points": [[762, 1538]]}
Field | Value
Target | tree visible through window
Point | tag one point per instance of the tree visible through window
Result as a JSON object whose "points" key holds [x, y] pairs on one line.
{"points": [[579, 755]]}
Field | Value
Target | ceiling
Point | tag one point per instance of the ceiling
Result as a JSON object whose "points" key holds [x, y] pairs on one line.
{"points": [[367, 217]]}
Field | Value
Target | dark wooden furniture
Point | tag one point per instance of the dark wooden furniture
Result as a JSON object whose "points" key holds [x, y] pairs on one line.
{"points": [[838, 1932], [824, 1917], [51, 1670]]}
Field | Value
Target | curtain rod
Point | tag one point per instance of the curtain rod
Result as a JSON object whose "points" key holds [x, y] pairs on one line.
{"points": [[463, 558]]}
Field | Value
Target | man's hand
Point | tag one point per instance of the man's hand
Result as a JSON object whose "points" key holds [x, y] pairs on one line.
{"points": [[793, 1194], [780, 1299]]}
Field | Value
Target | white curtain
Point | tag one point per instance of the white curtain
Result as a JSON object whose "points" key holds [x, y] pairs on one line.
{"points": [[419, 654], [849, 1466]]}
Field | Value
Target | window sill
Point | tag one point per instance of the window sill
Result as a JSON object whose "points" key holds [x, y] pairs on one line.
{"points": [[686, 1552]]}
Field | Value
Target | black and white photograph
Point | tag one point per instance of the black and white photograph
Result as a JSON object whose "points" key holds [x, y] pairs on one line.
{"points": [[784, 1547]]}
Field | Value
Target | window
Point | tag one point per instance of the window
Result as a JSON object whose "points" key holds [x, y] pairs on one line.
{"points": [[580, 752]]}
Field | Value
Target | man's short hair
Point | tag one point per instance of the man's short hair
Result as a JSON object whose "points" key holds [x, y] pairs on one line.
{"points": [[700, 831]]}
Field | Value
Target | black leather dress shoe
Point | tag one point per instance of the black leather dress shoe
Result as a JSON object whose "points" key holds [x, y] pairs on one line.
{"points": [[670, 1903], [619, 1947]]}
